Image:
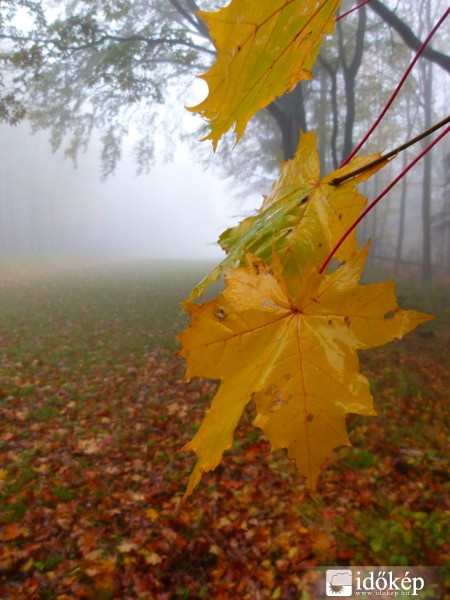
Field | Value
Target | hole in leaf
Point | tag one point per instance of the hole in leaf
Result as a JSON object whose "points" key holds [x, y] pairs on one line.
{"points": [[333, 265]]}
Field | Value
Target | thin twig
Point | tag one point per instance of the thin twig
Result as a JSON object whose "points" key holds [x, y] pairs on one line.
{"points": [[351, 10], [382, 159], [380, 196], [399, 86]]}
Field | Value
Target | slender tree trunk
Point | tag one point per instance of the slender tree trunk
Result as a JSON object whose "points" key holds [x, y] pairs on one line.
{"points": [[426, 219], [374, 220], [322, 123], [350, 70], [404, 191], [332, 72], [401, 223], [427, 78]]}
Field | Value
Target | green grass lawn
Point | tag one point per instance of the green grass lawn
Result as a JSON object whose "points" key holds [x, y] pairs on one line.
{"points": [[94, 411], [94, 313]]}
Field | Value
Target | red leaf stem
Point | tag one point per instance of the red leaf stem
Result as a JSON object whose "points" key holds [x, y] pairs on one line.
{"points": [[399, 86], [351, 10], [380, 196], [391, 154]]}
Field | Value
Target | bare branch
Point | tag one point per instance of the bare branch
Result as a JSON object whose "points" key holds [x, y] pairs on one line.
{"points": [[408, 36], [107, 37]]}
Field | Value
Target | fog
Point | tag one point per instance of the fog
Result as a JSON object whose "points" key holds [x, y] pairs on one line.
{"points": [[178, 210]]}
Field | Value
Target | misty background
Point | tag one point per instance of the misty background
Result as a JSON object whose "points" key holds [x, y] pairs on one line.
{"points": [[49, 206], [178, 210], [186, 196]]}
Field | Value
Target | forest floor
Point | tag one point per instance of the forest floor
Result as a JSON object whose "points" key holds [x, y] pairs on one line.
{"points": [[94, 411]]}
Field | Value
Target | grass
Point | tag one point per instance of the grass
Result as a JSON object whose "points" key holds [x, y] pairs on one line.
{"points": [[94, 413], [88, 315]]}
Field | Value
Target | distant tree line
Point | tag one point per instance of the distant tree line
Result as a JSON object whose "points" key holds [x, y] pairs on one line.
{"points": [[79, 67]]}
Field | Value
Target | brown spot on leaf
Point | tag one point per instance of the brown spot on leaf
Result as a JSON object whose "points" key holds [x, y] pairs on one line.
{"points": [[220, 313]]}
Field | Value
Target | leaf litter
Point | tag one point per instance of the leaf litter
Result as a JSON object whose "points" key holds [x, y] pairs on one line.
{"points": [[91, 477]]}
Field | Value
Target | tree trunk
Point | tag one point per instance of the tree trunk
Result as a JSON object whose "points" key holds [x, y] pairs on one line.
{"points": [[290, 115], [404, 190], [332, 72], [401, 223], [350, 71], [322, 122], [426, 218], [427, 79]]}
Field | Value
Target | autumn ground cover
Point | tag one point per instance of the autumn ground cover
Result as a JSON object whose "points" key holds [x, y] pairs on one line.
{"points": [[94, 411]]}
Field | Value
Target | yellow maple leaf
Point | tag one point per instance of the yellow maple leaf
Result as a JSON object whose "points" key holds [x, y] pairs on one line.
{"points": [[298, 200], [288, 339], [263, 50], [151, 514]]}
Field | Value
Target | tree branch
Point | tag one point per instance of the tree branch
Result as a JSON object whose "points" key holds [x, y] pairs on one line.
{"points": [[191, 17], [107, 37], [392, 154], [408, 36], [420, 51], [380, 196]]}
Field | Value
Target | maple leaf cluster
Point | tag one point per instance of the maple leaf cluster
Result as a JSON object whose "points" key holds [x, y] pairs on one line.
{"points": [[285, 334]]}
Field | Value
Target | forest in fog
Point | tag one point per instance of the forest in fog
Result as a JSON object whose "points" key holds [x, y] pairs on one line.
{"points": [[116, 105]]}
